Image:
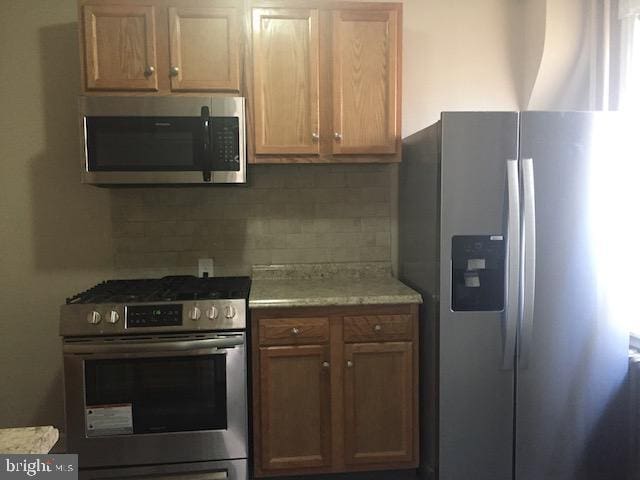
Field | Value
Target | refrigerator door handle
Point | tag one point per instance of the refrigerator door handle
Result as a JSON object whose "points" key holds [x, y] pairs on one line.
{"points": [[529, 262], [512, 281]]}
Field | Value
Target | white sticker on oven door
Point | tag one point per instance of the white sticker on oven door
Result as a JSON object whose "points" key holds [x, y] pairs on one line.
{"points": [[109, 420]]}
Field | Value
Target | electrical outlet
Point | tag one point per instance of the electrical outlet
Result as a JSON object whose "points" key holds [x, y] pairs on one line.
{"points": [[205, 267]]}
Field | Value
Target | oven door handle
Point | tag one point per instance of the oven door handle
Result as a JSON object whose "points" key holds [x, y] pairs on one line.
{"points": [[220, 475], [154, 346]]}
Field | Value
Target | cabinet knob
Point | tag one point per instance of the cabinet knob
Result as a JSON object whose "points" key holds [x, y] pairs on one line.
{"points": [[349, 363], [337, 136], [315, 137], [150, 70], [325, 365], [295, 331], [174, 71], [377, 328]]}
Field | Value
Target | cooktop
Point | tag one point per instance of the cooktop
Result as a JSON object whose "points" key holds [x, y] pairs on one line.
{"points": [[166, 289]]}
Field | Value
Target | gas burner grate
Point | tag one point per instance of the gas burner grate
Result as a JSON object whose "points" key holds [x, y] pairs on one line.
{"points": [[167, 289]]}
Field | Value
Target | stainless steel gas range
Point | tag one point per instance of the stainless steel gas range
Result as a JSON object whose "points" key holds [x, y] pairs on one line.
{"points": [[156, 378]]}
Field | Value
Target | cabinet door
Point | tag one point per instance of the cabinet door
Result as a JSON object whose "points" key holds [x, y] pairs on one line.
{"points": [[365, 76], [379, 417], [120, 47], [204, 46], [285, 70], [295, 429]]}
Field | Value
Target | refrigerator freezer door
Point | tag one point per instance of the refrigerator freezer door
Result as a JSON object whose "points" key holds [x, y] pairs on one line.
{"points": [[475, 392], [569, 424]]}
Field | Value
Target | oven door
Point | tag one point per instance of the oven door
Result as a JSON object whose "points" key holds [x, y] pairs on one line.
{"points": [[153, 400], [221, 470]]}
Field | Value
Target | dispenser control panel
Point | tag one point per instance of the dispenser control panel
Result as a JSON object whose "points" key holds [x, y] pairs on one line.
{"points": [[478, 272]]}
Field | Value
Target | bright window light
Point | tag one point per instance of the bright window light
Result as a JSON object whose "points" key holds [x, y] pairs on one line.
{"points": [[632, 100], [618, 185], [615, 198]]}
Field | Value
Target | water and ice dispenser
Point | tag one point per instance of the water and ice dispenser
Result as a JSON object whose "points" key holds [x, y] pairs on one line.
{"points": [[478, 272]]}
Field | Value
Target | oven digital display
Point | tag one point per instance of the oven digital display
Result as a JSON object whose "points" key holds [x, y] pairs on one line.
{"points": [[154, 315]]}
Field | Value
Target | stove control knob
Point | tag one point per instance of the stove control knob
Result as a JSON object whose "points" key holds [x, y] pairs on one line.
{"points": [[93, 317], [194, 314], [212, 312], [113, 317], [229, 311]]}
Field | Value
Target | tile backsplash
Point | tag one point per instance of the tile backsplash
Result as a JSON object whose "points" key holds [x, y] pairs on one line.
{"points": [[285, 214]]}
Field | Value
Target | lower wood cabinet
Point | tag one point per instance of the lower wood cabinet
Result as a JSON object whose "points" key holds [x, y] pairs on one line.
{"points": [[295, 397], [378, 402], [335, 389]]}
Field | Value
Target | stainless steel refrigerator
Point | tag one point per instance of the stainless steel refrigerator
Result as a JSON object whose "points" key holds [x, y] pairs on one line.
{"points": [[523, 365]]}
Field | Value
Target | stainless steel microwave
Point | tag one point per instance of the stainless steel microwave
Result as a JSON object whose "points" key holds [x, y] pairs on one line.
{"points": [[170, 140]]}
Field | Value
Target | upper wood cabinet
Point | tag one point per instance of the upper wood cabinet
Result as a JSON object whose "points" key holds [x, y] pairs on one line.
{"points": [[161, 47], [285, 69], [365, 103], [326, 82], [120, 47], [204, 49]]}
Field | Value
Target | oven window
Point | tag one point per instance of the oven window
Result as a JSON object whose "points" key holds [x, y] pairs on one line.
{"points": [[144, 143], [176, 394]]}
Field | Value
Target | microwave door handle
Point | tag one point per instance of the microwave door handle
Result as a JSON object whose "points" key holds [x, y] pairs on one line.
{"points": [[205, 121]]}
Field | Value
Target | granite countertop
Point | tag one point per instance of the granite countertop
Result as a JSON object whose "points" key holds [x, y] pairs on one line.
{"points": [[325, 285], [28, 439]]}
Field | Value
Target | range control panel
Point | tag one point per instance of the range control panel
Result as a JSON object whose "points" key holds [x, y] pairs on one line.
{"points": [[124, 319], [165, 315], [478, 272]]}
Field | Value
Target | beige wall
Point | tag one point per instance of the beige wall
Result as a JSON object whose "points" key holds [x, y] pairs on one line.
{"points": [[527, 45], [58, 237], [456, 57], [564, 65], [54, 233]]}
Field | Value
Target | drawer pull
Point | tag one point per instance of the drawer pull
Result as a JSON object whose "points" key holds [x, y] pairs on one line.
{"points": [[349, 363], [293, 331], [377, 328], [325, 365]]}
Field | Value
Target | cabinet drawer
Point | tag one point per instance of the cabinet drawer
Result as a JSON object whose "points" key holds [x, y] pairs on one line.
{"points": [[368, 328], [293, 331]]}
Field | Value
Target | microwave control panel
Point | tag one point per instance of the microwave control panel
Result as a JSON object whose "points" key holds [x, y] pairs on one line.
{"points": [[226, 143]]}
